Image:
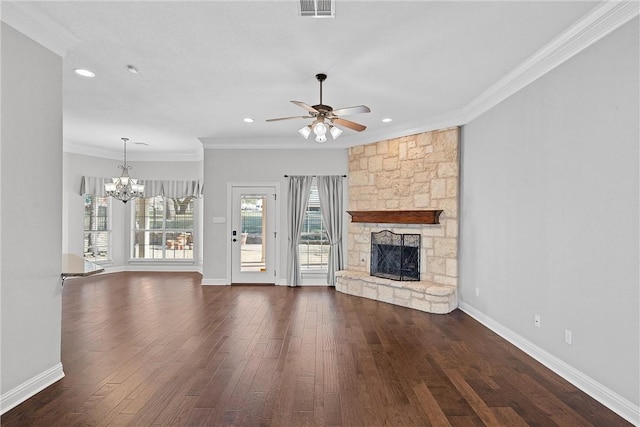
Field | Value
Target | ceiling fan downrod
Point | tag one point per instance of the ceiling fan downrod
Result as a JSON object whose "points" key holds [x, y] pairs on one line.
{"points": [[321, 77]]}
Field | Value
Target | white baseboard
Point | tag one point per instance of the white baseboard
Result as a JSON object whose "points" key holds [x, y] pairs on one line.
{"points": [[19, 394], [170, 268], [314, 279], [282, 282], [215, 282], [304, 283], [599, 392]]}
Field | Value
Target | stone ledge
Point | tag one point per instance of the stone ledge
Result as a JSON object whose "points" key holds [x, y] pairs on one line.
{"points": [[423, 296]]}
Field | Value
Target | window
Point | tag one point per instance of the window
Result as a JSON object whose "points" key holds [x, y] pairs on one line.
{"points": [[97, 228], [314, 244], [163, 228]]}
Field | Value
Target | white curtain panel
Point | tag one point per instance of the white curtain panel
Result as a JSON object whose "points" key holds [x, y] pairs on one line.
{"points": [[330, 192], [298, 192]]}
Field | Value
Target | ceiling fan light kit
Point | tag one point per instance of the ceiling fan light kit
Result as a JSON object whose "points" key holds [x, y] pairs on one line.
{"points": [[326, 118]]}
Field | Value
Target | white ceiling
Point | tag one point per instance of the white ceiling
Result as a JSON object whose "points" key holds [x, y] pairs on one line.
{"points": [[204, 66]]}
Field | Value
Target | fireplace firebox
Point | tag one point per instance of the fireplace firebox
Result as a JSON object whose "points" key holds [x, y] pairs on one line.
{"points": [[395, 256]]}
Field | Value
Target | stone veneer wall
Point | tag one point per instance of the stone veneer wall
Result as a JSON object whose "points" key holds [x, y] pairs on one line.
{"points": [[412, 172]]}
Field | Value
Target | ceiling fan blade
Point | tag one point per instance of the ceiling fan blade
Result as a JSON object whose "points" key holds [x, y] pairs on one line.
{"points": [[349, 124], [307, 107], [351, 110], [287, 118]]}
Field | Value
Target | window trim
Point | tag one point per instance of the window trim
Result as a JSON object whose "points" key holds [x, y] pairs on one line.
{"points": [[324, 267], [109, 230], [164, 230]]}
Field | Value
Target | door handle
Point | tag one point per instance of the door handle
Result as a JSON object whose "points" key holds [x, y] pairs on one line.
{"points": [[234, 240]]}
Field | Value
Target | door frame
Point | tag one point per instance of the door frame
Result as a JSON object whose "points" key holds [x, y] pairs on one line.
{"points": [[276, 245]]}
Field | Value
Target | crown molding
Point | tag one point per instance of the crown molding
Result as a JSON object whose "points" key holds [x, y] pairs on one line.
{"points": [[448, 120], [27, 19], [267, 144], [602, 20], [155, 156], [443, 121]]}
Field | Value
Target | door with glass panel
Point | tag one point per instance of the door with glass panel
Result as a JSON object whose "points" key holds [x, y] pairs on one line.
{"points": [[253, 235]]}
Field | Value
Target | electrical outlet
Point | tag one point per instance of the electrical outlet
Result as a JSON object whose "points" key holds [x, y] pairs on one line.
{"points": [[568, 337], [477, 292], [536, 320]]}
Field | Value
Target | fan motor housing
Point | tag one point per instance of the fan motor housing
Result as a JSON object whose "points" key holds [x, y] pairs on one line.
{"points": [[323, 108]]}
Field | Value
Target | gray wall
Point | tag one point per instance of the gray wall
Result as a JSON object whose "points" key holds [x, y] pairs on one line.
{"points": [[549, 212], [31, 158], [78, 165], [255, 166]]}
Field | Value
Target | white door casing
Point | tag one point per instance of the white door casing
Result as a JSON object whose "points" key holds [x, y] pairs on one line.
{"points": [[252, 233]]}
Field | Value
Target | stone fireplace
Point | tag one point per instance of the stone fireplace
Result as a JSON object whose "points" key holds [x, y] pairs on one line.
{"points": [[406, 185]]}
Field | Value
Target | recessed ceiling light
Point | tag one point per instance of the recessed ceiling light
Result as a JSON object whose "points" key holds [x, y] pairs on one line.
{"points": [[387, 120], [132, 69], [84, 73], [247, 120]]}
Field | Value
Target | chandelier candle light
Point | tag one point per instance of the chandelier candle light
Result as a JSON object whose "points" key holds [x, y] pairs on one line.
{"points": [[124, 188]]}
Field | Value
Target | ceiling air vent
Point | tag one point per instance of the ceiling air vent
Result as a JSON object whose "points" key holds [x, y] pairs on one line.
{"points": [[318, 8]]}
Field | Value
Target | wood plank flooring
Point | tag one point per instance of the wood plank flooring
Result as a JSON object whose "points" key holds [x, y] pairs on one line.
{"points": [[159, 349]]}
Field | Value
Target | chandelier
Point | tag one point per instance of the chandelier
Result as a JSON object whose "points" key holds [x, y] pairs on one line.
{"points": [[124, 188]]}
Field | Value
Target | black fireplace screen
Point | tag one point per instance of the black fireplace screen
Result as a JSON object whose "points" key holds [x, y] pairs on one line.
{"points": [[395, 256]]}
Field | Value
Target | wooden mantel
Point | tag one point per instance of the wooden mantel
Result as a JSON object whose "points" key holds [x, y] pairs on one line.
{"points": [[397, 217]]}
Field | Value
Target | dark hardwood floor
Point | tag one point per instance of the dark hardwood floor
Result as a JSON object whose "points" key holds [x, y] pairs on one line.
{"points": [[159, 349]]}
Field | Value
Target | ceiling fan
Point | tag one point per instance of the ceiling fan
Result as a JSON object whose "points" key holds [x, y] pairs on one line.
{"points": [[325, 117]]}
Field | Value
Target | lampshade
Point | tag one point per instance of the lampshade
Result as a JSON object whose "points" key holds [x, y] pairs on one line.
{"points": [[305, 131], [321, 138], [319, 128], [335, 132]]}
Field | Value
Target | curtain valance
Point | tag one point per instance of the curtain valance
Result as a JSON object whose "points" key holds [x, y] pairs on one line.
{"points": [[166, 188]]}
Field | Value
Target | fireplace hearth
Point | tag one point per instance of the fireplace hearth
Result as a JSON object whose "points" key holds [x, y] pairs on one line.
{"points": [[395, 256]]}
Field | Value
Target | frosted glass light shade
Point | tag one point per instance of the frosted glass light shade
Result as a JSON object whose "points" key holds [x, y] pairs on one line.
{"points": [[305, 132], [319, 129], [335, 132]]}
